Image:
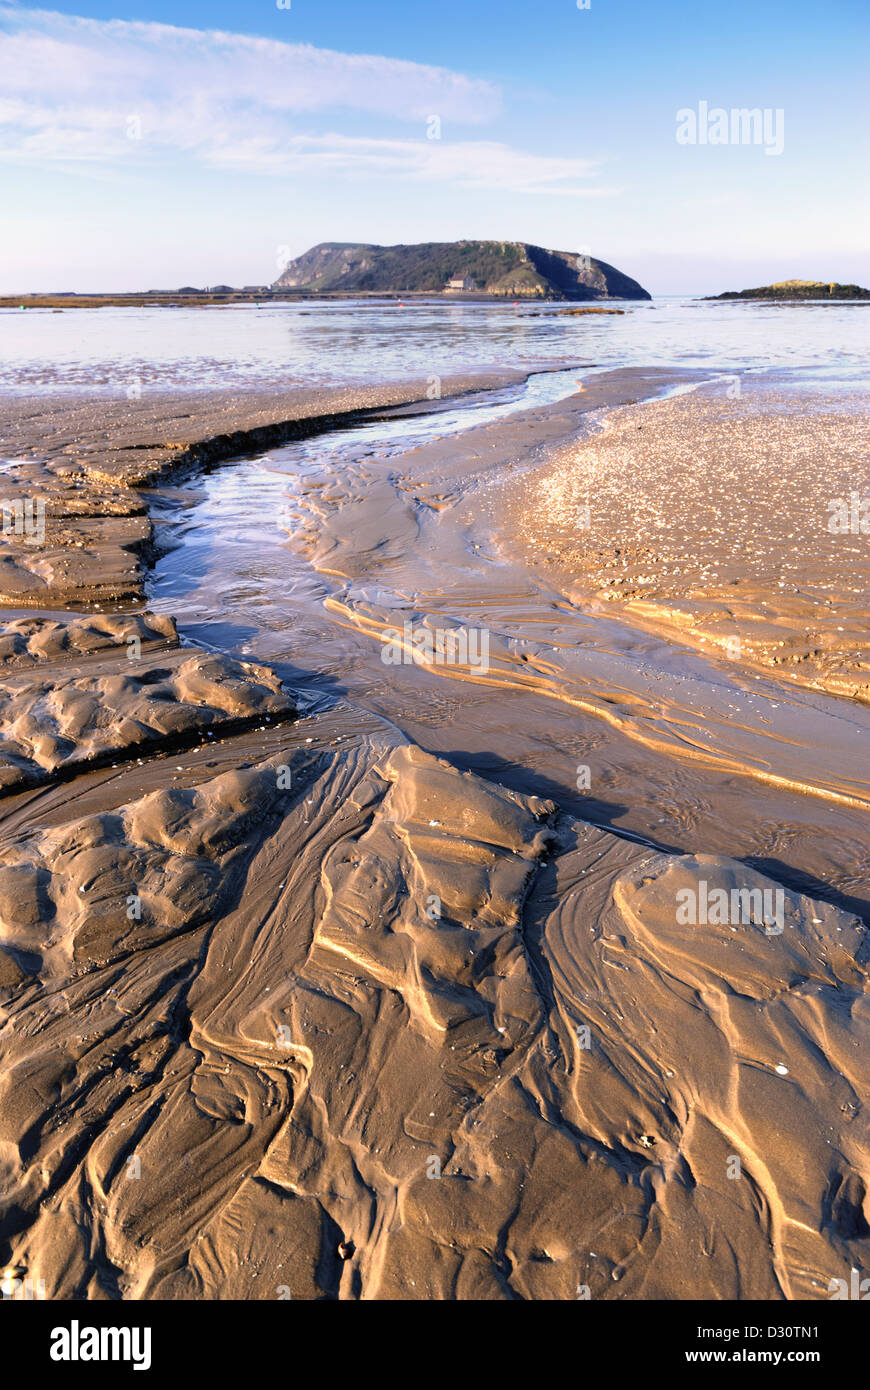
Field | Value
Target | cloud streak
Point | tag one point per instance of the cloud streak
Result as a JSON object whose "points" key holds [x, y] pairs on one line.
{"points": [[110, 92]]}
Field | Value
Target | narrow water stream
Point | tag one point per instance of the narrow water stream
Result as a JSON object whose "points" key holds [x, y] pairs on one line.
{"points": [[306, 557]]}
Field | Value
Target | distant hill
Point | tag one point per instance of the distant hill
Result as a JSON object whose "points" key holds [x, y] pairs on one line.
{"points": [[798, 289], [500, 268]]}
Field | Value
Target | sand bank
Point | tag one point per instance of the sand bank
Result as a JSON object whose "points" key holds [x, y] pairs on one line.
{"points": [[738, 524]]}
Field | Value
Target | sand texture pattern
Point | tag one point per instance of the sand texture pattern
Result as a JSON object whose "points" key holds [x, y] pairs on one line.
{"points": [[107, 699], [293, 1007], [247, 1021]]}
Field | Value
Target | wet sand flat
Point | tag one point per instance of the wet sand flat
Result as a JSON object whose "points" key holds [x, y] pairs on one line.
{"points": [[75, 530], [136, 440], [737, 523], [309, 1009], [290, 1050]]}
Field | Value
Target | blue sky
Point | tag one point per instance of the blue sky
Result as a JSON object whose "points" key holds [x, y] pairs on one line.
{"points": [[147, 145]]}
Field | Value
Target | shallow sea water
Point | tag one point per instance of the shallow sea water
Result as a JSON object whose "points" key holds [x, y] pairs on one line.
{"points": [[325, 343]]}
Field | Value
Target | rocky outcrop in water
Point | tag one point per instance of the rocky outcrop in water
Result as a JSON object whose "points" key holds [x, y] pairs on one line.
{"points": [[501, 269], [798, 289]]}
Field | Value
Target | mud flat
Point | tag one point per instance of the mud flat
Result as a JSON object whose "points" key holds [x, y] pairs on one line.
{"points": [[303, 1009]]}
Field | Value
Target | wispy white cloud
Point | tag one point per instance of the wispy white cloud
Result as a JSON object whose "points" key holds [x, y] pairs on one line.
{"points": [[100, 92], [472, 163], [72, 58]]}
